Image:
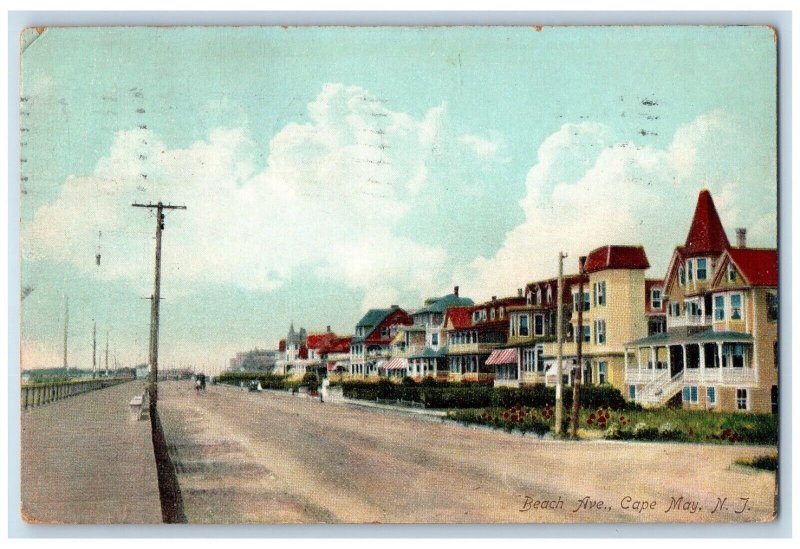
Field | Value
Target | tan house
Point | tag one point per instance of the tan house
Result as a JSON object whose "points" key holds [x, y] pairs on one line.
{"points": [[720, 348]]}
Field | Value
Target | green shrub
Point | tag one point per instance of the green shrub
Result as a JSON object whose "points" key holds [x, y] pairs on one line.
{"points": [[310, 380], [642, 431], [768, 463]]}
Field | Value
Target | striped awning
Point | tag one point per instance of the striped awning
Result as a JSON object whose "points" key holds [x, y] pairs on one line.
{"points": [[502, 356], [395, 364]]}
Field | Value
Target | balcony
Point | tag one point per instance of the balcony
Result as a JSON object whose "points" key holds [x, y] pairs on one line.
{"points": [[721, 376], [467, 348], [688, 321]]}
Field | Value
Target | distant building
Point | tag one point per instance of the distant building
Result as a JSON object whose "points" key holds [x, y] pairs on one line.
{"points": [[256, 360], [371, 346]]}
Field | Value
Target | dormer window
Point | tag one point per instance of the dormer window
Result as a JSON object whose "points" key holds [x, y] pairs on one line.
{"points": [[529, 298], [491, 314], [731, 273], [690, 269], [682, 275], [538, 296], [501, 311], [549, 294]]}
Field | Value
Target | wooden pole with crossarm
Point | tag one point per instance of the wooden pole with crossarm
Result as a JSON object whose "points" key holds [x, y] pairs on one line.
{"points": [[156, 299]]}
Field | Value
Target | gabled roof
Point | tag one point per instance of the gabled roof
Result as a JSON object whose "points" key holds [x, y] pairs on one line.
{"points": [[706, 234], [459, 317], [758, 266], [566, 289], [616, 257], [439, 304], [371, 320]]}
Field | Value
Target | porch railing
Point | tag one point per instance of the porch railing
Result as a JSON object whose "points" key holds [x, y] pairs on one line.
{"points": [[688, 320]]}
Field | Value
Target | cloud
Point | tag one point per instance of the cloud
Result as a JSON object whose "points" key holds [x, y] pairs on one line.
{"points": [[588, 188], [493, 148], [329, 197]]}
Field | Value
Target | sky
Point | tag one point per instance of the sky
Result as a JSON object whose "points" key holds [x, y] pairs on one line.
{"points": [[329, 170]]}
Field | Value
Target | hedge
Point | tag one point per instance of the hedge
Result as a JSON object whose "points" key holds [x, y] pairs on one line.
{"points": [[268, 381], [442, 394]]}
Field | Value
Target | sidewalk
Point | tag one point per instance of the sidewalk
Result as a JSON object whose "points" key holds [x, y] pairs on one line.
{"points": [[85, 462]]}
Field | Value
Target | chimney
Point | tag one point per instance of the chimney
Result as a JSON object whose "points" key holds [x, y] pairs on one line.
{"points": [[741, 237], [395, 306], [519, 292], [494, 298], [581, 263], [328, 328], [455, 290]]}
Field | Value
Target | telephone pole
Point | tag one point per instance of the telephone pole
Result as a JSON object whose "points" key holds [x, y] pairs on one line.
{"points": [[576, 385], [66, 327], [560, 339], [156, 299], [106, 353], [94, 349]]}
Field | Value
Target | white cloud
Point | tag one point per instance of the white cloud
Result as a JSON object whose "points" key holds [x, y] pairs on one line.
{"points": [[493, 148], [589, 189], [329, 198]]}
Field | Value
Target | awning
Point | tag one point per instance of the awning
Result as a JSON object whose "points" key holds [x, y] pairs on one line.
{"points": [[502, 356], [395, 364]]}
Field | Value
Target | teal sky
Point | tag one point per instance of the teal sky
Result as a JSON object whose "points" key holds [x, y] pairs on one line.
{"points": [[327, 170]]}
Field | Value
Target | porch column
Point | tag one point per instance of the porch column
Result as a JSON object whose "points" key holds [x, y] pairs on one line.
{"points": [[669, 360], [719, 354], [653, 357], [683, 346], [702, 348], [626, 358]]}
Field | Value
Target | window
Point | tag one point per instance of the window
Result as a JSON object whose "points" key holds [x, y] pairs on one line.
{"points": [[587, 334], [523, 326], [513, 327], [600, 331], [690, 269], [742, 400], [538, 325], [719, 307], [655, 298], [529, 298], [491, 314], [711, 396], [602, 372], [702, 264], [549, 294], [690, 394], [736, 306], [600, 293], [631, 392], [731, 273], [501, 311], [575, 301], [540, 358], [737, 355], [772, 306], [682, 275], [586, 301], [435, 339], [675, 309], [538, 296]]}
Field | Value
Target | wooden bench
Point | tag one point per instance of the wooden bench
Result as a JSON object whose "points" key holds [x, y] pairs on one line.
{"points": [[136, 406]]}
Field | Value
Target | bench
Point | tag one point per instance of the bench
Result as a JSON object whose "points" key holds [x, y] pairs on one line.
{"points": [[136, 406]]}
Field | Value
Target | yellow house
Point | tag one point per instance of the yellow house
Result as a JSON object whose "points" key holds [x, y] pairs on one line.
{"points": [[720, 348]]}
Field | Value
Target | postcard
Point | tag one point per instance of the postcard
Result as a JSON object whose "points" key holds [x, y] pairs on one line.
{"points": [[469, 274]]}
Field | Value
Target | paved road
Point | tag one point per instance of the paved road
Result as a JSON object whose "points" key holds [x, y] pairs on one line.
{"points": [[85, 462], [256, 457]]}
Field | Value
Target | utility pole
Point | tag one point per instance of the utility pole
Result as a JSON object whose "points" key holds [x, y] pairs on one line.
{"points": [[156, 299], [576, 385], [94, 349], [560, 339], [106, 353], [66, 325]]}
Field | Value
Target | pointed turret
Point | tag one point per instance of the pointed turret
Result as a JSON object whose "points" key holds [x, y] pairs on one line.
{"points": [[706, 235]]}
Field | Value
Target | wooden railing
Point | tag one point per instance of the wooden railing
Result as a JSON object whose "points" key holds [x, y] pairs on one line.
{"points": [[38, 394]]}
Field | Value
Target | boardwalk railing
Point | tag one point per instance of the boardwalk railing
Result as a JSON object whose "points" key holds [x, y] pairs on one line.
{"points": [[37, 394]]}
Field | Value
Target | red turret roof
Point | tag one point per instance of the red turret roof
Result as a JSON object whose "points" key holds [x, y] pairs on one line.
{"points": [[706, 235], [316, 341], [459, 317], [616, 257]]}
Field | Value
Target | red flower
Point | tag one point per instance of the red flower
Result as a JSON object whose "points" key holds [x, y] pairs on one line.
{"points": [[590, 420], [691, 432], [622, 418], [592, 416], [732, 440], [726, 433]]}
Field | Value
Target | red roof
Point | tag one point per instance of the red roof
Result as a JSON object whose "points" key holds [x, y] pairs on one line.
{"points": [[336, 345], [616, 257], [316, 341], [303, 354], [706, 235], [758, 266], [459, 317], [649, 283], [566, 289]]}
